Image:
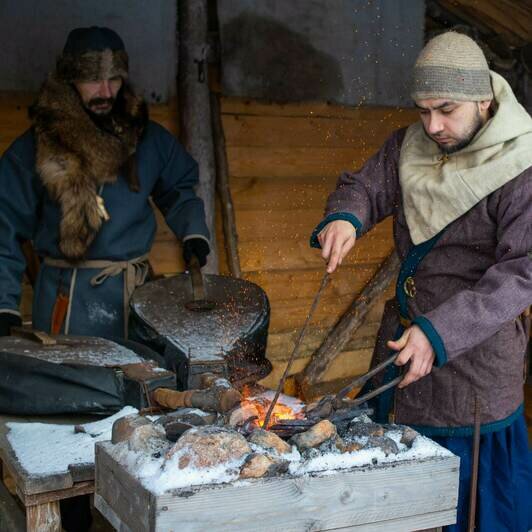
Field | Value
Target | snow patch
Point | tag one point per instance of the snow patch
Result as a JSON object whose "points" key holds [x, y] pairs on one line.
{"points": [[48, 449]]}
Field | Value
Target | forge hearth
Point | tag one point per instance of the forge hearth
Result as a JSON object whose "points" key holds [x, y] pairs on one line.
{"points": [[192, 470]]}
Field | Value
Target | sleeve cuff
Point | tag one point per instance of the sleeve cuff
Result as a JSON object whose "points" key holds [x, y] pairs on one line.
{"points": [[434, 338], [190, 237], [348, 217]]}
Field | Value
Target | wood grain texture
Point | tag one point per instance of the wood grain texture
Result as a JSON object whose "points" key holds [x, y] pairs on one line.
{"points": [[423, 491], [351, 320], [127, 498], [43, 517]]}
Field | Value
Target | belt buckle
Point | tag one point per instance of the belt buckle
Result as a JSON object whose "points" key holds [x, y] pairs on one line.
{"points": [[409, 286]]}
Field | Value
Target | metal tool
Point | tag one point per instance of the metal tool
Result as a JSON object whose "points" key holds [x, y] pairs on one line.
{"points": [[198, 303], [329, 404], [360, 381], [323, 284]]}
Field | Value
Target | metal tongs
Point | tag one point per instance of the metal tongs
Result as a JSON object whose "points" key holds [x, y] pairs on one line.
{"points": [[330, 403], [360, 381]]}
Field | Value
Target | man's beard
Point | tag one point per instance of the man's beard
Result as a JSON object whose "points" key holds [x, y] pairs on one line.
{"points": [[476, 126], [100, 101]]}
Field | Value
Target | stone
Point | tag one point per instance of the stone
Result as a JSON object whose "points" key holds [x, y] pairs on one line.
{"points": [[269, 441], [386, 445], [408, 437], [242, 413], [364, 430], [332, 445], [261, 465], [204, 447], [150, 439], [315, 436], [351, 447], [124, 427]]}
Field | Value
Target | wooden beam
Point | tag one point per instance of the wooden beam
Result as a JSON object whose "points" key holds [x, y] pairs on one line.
{"points": [[224, 191], [350, 322], [194, 107]]}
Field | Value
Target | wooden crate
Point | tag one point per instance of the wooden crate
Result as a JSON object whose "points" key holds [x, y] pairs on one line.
{"points": [[401, 496]]}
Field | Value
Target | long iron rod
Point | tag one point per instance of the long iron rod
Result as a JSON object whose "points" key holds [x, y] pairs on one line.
{"points": [[474, 468], [324, 281]]}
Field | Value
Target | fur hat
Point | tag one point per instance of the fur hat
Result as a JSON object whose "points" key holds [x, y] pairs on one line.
{"points": [[92, 54], [451, 65]]}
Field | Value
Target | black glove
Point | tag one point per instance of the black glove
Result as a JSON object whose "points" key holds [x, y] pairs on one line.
{"points": [[198, 247], [8, 320]]}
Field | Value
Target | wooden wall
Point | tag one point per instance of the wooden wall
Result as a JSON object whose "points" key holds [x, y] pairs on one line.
{"points": [[283, 162]]}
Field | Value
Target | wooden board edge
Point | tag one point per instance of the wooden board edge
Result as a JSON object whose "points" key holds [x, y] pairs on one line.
{"points": [[216, 497], [423, 523], [108, 513], [26, 483], [112, 479]]}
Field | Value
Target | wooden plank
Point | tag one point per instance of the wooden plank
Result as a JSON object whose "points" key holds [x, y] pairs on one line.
{"points": [[125, 495], [101, 504], [433, 519], [356, 497], [79, 488], [252, 193], [347, 364], [268, 131], [511, 19], [351, 320], [241, 106], [288, 284], [291, 313], [296, 224], [12, 517], [43, 517], [284, 162], [26, 483], [282, 254], [281, 344]]}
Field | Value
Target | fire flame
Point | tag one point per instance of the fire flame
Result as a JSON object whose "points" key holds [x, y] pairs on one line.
{"points": [[258, 405]]}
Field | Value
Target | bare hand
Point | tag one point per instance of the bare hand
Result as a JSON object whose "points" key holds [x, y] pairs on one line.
{"points": [[415, 347], [336, 239]]}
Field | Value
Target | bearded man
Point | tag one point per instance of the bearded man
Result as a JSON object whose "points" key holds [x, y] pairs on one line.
{"points": [[459, 186], [78, 184]]}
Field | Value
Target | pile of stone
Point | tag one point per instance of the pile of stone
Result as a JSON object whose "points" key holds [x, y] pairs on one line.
{"points": [[195, 439]]}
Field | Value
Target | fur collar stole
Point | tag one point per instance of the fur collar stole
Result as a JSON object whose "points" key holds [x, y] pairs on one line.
{"points": [[76, 156]]}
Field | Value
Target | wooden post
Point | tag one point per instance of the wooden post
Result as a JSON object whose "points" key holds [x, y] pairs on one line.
{"points": [[194, 106], [44, 517], [224, 191], [348, 324]]}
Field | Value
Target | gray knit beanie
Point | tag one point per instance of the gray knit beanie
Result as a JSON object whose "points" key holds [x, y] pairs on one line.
{"points": [[451, 65]]}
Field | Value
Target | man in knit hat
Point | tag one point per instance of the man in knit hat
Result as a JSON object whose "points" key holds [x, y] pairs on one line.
{"points": [[78, 184], [458, 184]]}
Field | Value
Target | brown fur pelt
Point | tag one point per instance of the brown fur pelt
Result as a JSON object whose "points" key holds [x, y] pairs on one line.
{"points": [[75, 156]]}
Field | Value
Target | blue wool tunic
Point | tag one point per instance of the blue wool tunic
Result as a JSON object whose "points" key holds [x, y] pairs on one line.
{"points": [[167, 175]]}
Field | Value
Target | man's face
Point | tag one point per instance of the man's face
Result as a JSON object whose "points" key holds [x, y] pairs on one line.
{"points": [[452, 124], [98, 97]]}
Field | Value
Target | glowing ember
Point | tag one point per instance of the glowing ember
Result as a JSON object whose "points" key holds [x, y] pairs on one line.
{"points": [[261, 403]]}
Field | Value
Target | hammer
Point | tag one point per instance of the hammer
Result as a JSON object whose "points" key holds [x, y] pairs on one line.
{"points": [[219, 397]]}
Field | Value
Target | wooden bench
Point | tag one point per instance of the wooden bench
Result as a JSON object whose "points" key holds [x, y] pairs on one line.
{"points": [[31, 502]]}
